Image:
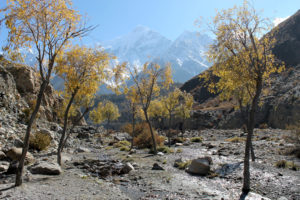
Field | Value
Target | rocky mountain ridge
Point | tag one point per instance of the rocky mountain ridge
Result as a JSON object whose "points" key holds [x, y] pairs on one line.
{"points": [[186, 53], [280, 107]]}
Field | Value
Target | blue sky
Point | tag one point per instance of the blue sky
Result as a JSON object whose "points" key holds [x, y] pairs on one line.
{"points": [[168, 17]]}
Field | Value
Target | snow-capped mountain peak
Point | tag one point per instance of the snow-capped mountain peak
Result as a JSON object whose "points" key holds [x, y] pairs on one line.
{"points": [[186, 54]]}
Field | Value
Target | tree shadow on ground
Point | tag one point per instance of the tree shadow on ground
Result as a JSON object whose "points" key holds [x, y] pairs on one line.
{"points": [[226, 169]]}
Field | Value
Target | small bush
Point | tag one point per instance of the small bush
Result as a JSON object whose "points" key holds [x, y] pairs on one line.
{"points": [[122, 143], [236, 139], [179, 151], [287, 165], [183, 165], [39, 141], [124, 148], [164, 149], [179, 140], [294, 137], [196, 139], [108, 148], [263, 126], [127, 128], [143, 137]]}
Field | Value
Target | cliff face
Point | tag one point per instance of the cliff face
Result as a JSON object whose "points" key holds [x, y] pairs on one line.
{"points": [[19, 86], [281, 106]]}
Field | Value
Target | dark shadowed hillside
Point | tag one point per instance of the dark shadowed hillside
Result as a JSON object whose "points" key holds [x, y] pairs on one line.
{"points": [[281, 106]]}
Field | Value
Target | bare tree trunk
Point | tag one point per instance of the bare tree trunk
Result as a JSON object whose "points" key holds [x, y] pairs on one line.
{"points": [[75, 124], [245, 119], [250, 127], [252, 151], [19, 171], [133, 129], [169, 132], [152, 134], [63, 134], [107, 125]]}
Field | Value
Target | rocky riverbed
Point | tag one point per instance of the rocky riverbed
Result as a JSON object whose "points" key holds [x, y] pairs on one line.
{"points": [[95, 169]]}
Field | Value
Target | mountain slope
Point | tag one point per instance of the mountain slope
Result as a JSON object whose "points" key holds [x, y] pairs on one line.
{"points": [[281, 107]]}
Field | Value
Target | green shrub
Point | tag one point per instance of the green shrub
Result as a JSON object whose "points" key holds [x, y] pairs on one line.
{"points": [[39, 141], [196, 139]]}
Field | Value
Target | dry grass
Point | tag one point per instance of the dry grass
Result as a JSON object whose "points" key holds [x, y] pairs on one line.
{"points": [[39, 141], [236, 139]]}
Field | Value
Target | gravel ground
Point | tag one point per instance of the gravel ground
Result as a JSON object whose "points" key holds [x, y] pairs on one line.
{"points": [[267, 181]]}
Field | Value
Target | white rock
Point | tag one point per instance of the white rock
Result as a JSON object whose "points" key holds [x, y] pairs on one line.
{"points": [[46, 168], [82, 149], [160, 153], [127, 168]]}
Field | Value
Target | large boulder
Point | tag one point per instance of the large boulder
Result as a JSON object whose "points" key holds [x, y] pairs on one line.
{"points": [[46, 168], [200, 166], [15, 155]]}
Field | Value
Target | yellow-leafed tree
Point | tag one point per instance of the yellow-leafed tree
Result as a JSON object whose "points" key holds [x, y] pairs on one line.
{"points": [[135, 109], [47, 26], [243, 60], [146, 84], [157, 111], [169, 104], [106, 111], [184, 108], [83, 70]]}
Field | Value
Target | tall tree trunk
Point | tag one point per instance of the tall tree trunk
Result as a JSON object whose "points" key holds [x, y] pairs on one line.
{"points": [[133, 129], [63, 134], [245, 119], [19, 171], [183, 128], [71, 129], [252, 151], [250, 127], [151, 131], [169, 132], [107, 125]]}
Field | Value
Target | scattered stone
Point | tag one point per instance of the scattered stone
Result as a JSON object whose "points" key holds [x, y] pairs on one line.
{"points": [[82, 150], [282, 198], [46, 168], [160, 153], [2, 155], [179, 160], [132, 151], [15, 155], [83, 135], [12, 167], [18, 143], [4, 166], [200, 166], [127, 168], [157, 167], [178, 144]]}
